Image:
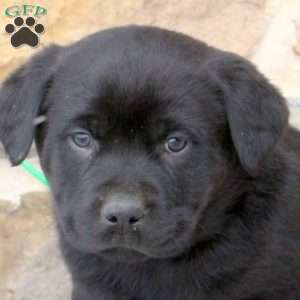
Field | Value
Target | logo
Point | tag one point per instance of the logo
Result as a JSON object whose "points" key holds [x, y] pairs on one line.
{"points": [[25, 30]]}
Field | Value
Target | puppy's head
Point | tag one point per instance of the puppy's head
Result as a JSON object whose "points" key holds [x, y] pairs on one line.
{"points": [[145, 131]]}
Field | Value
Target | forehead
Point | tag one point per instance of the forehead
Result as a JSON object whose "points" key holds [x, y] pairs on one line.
{"points": [[134, 84]]}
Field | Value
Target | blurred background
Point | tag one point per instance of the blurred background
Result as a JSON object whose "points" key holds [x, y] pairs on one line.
{"points": [[265, 31]]}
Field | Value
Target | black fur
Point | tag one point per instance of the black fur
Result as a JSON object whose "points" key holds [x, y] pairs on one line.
{"points": [[221, 217]]}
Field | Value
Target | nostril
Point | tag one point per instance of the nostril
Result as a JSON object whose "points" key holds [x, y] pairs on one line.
{"points": [[134, 219], [112, 219]]}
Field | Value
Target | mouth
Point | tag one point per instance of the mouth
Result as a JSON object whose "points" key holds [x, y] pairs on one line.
{"points": [[125, 255]]}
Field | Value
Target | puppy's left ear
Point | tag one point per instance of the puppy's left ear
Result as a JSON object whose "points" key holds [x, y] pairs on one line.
{"points": [[21, 97], [256, 112]]}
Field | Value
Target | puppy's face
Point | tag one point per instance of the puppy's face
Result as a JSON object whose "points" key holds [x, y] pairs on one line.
{"points": [[144, 138], [133, 156]]}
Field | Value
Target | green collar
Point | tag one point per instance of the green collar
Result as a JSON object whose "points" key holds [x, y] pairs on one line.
{"points": [[32, 170]]}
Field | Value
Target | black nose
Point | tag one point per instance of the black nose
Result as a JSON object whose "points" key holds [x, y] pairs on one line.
{"points": [[122, 212]]}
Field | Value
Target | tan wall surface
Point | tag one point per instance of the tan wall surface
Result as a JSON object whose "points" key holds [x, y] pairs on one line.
{"points": [[266, 31]]}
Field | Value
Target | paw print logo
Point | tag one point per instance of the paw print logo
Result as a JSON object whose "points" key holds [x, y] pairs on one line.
{"points": [[24, 33]]}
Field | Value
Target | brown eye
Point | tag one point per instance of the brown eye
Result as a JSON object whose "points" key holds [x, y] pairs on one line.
{"points": [[175, 144], [81, 139]]}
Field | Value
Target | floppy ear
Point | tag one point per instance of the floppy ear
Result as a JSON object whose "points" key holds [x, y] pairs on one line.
{"points": [[256, 112], [21, 96]]}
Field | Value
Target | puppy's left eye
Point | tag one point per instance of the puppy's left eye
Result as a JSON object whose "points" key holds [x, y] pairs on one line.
{"points": [[176, 143], [81, 139]]}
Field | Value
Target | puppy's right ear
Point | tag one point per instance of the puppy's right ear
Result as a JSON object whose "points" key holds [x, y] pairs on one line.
{"points": [[21, 97]]}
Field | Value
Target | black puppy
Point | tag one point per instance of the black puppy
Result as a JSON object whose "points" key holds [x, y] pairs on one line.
{"points": [[173, 168]]}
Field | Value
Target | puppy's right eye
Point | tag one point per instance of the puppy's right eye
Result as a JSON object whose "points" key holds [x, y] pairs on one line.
{"points": [[81, 139]]}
